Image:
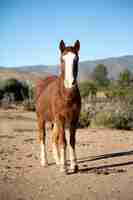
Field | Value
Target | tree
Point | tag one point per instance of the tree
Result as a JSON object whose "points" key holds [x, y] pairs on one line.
{"points": [[125, 78], [100, 75]]}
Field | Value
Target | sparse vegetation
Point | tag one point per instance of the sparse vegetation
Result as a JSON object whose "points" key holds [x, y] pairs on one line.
{"points": [[14, 87], [84, 120], [13, 91], [112, 109], [112, 114], [88, 88], [105, 103]]}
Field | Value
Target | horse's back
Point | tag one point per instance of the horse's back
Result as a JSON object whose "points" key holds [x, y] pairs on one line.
{"points": [[42, 84]]}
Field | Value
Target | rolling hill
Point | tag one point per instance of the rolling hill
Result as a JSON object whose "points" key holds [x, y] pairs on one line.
{"points": [[115, 65]]}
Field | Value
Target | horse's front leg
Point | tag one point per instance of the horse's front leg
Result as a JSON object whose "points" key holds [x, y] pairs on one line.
{"points": [[42, 141], [59, 145], [55, 137], [62, 146], [72, 153]]}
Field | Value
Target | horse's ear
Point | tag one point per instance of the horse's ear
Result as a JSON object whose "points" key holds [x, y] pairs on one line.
{"points": [[77, 45], [62, 45]]}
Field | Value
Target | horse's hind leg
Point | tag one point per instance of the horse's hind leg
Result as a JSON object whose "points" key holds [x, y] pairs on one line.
{"points": [[42, 141], [72, 153]]}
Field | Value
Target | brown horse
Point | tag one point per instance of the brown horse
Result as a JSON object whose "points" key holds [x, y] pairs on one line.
{"points": [[58, 101]]}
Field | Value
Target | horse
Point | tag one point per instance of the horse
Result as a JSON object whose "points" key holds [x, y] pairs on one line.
{"points": [[58, 101]]}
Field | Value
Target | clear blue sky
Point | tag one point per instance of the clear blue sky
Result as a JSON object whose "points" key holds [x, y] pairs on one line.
{"points": [[30, 30]]}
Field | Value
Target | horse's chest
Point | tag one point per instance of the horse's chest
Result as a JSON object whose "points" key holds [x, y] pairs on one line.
{"points": [[66, 109]]}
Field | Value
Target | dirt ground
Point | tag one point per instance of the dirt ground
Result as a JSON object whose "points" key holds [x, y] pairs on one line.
{"points": [[105, 159]]}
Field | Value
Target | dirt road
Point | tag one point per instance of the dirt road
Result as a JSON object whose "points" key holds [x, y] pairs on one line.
{"points": [[105, 159]]}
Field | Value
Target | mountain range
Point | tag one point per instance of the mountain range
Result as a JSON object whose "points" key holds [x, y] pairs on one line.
{"points": [[114, 65]]}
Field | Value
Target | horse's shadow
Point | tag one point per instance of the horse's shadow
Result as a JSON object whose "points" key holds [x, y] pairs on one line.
{"points": [[104, 156]]}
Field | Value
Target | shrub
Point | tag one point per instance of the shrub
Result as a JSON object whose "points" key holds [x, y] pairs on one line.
{"points": [[84, 119], [19, 90], [102, 119], [7, 100], [115, 90], [29, 105], [88, 88], [15, 87], [117, 115], [111, 113], [123, 118]]}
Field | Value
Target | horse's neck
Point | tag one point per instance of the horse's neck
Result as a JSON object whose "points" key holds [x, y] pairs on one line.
{"points": [[61, 82]]}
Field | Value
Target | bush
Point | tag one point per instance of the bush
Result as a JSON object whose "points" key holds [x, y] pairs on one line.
{"points": [[102, 119], [112, 113], [84, 119], [29, 105], [19, 90], [123, 118], [115, 90], [7, 100], [117, 115], [88, 88], [112, 109], [15, 87]]}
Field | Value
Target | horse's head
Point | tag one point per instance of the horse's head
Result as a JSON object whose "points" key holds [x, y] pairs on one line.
{"points": [[69, 63]]}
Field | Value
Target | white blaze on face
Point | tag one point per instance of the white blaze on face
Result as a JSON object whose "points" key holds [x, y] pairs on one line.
{"points": [[69, 77]]}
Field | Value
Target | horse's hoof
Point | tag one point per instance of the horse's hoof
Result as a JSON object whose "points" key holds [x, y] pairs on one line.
{"points": [[63, 169], [44, 164], [74, 169], [58, 163]]}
